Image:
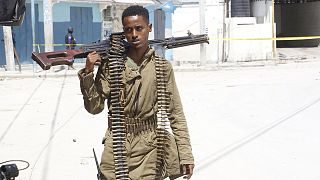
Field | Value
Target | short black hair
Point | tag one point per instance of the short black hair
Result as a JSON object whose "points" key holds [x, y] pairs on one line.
{"points": [[136, 10]]}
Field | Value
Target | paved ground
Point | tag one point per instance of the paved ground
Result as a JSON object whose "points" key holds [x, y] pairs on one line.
{"points": [[248, 121]]}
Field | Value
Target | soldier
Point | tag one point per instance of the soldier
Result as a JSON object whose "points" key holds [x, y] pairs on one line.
{"points": [[140, 107], [70, 41]]}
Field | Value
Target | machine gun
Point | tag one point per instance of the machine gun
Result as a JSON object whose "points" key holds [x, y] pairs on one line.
{"points": [[66, 57]]}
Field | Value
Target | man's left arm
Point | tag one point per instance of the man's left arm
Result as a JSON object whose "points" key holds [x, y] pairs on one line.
{"points": [[178, 121]]}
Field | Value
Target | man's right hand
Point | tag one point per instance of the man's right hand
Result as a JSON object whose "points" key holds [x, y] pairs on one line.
{"points": [[92, 59]]}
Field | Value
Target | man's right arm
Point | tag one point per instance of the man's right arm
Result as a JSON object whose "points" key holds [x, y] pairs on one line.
{"points": [[94, 91]]}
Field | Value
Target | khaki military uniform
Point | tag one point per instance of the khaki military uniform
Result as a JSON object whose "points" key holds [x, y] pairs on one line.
{"points": [[140, 103]]}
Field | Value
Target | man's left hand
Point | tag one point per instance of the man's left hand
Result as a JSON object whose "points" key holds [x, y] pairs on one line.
{"points": [[187, 170]]}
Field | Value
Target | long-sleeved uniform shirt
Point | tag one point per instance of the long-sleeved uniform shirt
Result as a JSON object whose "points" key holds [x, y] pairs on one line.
{"points": [[140, 97]]}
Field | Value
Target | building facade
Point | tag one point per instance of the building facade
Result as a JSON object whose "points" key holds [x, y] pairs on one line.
{"points": [[91, 22], [85, 19]]}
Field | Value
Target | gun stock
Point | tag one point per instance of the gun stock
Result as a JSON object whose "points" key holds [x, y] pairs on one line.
{"points": [[48, 59]]}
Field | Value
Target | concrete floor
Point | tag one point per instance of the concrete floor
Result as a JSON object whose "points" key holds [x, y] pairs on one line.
{"points": [[247, 121]]}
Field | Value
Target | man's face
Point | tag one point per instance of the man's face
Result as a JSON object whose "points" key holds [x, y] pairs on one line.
{"points": [[136, 29]]}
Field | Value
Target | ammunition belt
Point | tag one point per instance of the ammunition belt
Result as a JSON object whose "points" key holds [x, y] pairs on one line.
{"points": [[116, 67], [120, 125], [162, 116], [137, 125]]}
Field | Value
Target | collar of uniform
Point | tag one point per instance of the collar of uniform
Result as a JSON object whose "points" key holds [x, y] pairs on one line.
{"points": [[131, 71], [147, 57], [132, 65]]}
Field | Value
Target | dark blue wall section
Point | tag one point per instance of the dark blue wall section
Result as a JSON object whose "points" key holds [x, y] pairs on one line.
{"points": [[81, 33], [2, 56], [81, 19], [85, 30], [23, 38]]}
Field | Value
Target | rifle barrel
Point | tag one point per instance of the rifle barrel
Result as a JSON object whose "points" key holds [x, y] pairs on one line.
{"points": [[97, 164]]}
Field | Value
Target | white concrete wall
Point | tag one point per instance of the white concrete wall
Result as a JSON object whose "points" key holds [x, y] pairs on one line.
{"points": [[249, 50], [187, 18]]}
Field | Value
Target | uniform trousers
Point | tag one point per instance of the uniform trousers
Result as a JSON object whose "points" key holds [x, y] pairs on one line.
{"points": [[141, 156]]}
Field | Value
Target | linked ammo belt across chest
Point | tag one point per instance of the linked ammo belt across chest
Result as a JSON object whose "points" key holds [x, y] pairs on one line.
{"points": [[120, 125], [137, 125]]}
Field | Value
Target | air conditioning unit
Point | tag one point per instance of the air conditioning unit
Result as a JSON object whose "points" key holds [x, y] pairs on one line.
{"points": [[108, 14]]}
